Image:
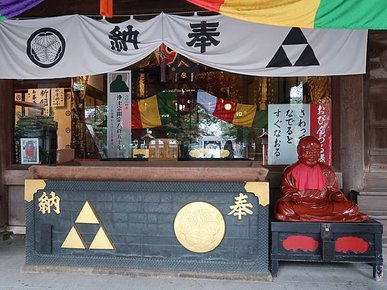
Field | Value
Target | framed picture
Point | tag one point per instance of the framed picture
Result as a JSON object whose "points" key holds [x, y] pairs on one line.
{"points": [[119, 82], [29, 150]]}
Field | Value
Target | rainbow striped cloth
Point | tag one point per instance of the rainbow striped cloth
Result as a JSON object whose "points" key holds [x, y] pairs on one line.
{"points": [[154, 111], [235, 113], [161, 109], [11, 8], [334, 14]]}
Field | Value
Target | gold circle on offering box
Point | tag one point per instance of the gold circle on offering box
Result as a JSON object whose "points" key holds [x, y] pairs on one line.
{"points": [[199, 227]]}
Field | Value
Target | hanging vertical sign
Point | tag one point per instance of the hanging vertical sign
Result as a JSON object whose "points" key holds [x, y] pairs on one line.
{"points": [[289, 123], [119, 107], [57, 97], [39, 96], [320, 127]]}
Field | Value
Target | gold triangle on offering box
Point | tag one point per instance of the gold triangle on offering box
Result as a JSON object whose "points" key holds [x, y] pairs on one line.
{"points": [[73, 240], [101, 241], [87, 215]]}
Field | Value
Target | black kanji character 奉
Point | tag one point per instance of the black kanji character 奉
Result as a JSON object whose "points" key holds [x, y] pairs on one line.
{"points": [[203, 35]]}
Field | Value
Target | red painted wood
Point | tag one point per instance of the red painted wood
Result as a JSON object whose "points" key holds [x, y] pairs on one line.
{"points": [[106, 8], [351, 244], [300, 243]]}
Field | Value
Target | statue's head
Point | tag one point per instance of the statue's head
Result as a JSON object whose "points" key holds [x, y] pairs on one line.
{"points": [[308, 150]]}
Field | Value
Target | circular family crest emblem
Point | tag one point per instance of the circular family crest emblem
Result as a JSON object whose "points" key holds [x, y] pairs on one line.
{"points": [[199, 227], [46, 47]]}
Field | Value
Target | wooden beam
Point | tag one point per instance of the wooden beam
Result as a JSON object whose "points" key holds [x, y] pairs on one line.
{"points": [[120, 8], [6, 145]]}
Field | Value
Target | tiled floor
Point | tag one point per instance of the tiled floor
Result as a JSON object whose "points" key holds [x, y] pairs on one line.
{"points": [[290, 276]]}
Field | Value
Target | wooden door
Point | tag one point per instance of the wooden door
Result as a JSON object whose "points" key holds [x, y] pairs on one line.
{"points": [[375, 103]]}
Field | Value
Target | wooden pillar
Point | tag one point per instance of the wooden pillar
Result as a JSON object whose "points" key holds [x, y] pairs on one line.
{"points": [[351, 90], [6, 137]]}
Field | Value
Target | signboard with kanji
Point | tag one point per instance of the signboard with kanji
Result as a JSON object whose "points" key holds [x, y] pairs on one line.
{"points": [[288, 123]]}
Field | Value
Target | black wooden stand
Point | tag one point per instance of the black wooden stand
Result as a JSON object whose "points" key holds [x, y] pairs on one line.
{"points": [[328, 242]]}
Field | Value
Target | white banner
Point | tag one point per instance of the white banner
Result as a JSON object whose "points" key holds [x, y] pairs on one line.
{"points": [[255, 49], [76, 45]]}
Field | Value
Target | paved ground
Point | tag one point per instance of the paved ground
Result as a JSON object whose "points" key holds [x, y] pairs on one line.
{"points": [[291, 276]]}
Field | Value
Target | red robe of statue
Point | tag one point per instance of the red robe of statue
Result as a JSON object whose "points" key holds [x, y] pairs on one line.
{"points": [[312, 194]]}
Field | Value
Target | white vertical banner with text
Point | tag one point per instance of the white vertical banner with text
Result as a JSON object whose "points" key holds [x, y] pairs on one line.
{"points": [[119, 106], [287, 125]]}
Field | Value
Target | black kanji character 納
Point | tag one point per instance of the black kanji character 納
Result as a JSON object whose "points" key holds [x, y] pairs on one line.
{"points": [[119, 39]]}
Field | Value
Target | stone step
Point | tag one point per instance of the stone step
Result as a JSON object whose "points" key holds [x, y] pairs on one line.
{"points": [[378, 213], [5, 235], [382, 192], [372, 201]]}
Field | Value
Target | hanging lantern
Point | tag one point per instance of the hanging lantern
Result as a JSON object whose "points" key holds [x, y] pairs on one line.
{"points": [[106, 8]]}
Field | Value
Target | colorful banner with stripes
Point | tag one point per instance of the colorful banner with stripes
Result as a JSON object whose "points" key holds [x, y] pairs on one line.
{"points": [[155, 111], [11, 8], [236, 113], [335, 14], [161, 109]]}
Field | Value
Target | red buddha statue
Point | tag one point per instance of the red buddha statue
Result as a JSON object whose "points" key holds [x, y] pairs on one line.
{"points": [[310, 190]]}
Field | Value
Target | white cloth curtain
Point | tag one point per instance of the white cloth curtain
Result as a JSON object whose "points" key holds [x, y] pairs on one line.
{"points": [[87, 48], [248, 48], [32, 49]]}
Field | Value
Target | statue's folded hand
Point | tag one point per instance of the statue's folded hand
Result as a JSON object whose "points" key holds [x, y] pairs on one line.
{"points": [[338, 196], [296, 198]]}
